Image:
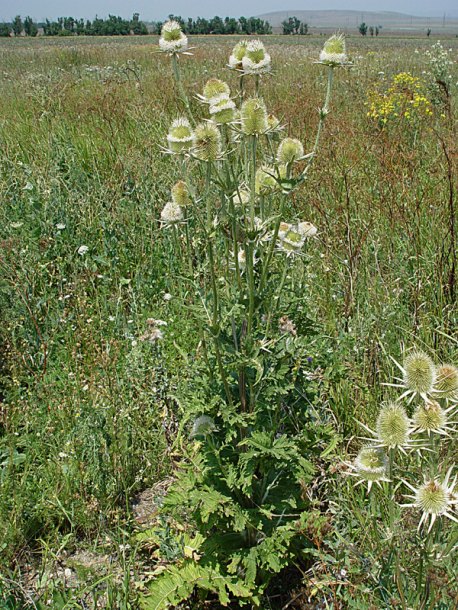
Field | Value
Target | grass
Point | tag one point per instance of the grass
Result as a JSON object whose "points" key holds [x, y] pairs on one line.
{"points": [[88, 414]]}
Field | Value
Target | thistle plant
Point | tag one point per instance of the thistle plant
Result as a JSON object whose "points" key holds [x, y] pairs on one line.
{"points": [[245, 428], [410, 458]]}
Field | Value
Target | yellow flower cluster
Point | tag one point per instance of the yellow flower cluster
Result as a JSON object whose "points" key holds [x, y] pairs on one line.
{"points": [[404, 99]]}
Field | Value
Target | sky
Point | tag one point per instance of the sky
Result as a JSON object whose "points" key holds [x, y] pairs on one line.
{"points": [[159, 9]]}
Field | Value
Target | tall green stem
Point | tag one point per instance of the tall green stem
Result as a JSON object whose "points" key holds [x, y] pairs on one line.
{"points": [[179, 83]]}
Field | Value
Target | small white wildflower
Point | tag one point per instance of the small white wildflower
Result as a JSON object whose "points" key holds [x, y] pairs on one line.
{"points": [[237, 55], [167, 296], [334, 52], [82, 250], [172, 39], [256, 60], [60, 226], [171, 213]]}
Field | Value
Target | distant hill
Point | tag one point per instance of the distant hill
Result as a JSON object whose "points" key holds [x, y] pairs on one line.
{"points": [[349, 20]]}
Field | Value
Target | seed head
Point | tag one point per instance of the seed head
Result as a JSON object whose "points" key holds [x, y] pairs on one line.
{"points": [[446, 385], [180, 136], [289, 150], [334, 51], [393, 425], [180, 194], [254, 116], [207, 141], [419, 373], [255, 59], [171, 213], [172, 39], [222, 109], [237, 55]]}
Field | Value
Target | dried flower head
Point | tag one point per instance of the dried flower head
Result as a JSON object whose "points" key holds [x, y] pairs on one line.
{"points": [[180, 136], [171, 213], [256, 60], [446, 385], [222, 109], [287, 326], [215, 88], [334, 51], [254, 116], [435, 499], [207, 141], [237, 55], [180, 194], [172, 39], [289, 150]]}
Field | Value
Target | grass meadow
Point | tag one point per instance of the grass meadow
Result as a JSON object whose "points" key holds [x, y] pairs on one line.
{"points": [[91, 415]]}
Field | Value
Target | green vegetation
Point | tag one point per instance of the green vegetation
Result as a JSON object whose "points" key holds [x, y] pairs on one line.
{"points": [[139, 459]]}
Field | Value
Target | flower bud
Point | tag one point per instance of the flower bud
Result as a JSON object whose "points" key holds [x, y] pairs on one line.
{"points": [[180, 194], [334, 51], [172, 39], [430, 417], [256, 60], [180, 136], [289, 150], [371, 464], [207, 142], [254, 116]]}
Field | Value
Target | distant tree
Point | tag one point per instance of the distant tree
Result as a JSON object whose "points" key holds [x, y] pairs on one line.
{"points": [[5, 30], [30, 28], [17, 25], [428, 32], [304, 29], [137, 26], [371, 30], [377, 29], [291, 25], [362, 28]]}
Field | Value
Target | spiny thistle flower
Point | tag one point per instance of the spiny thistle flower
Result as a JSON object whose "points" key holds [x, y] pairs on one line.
{"points": [[393, 426], [256, 60], [289, 150], [215, 89], [334, 51], [171, 213], [207, 142], [274, 123], [254, 117], [265, 180], [307, 229], [431, 417], [370, 466], [203, 426], [172, 39], [446, 385], [222, 109], [180, 194], [434, 499], [418, 375], [237, 55], [180, 136], [290, 240]]}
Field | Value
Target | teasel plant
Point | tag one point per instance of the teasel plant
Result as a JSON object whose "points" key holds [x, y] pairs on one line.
{"points": [[246, 433], [408, 464]]}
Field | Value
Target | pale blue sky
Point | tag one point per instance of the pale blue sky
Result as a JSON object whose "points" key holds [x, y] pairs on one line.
{"points": [[158, 9]]}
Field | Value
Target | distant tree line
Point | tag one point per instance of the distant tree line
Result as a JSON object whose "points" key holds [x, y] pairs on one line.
{"points": [[363, 29], [219, 25], [68, 26], [293, 25]]}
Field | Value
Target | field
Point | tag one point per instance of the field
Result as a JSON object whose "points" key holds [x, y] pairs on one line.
{"points": [[95, 412]]}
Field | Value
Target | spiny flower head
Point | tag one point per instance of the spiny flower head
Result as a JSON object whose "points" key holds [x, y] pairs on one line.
{"points": [[207, 141], [371, 465], [434, 498], [393, 425], [289, 150], [254, 116], [171, 213], [446, 385], [237, 55], [419, 373], [334, 51], [172, 39], [180, 194], [180, 136], [430, 417], [256, 60], [274, 123], [265, 180], [222, 109], [215, 88]]}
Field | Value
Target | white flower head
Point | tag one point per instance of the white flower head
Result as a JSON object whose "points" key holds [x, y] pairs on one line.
{"points": [[82, 250], [180, 137], [307, 229], [256, 60], [222, 109], [171, 213], [334, 51], [172, 39], [237, 55], [418, 375], [435, 499], [370, 466]]}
